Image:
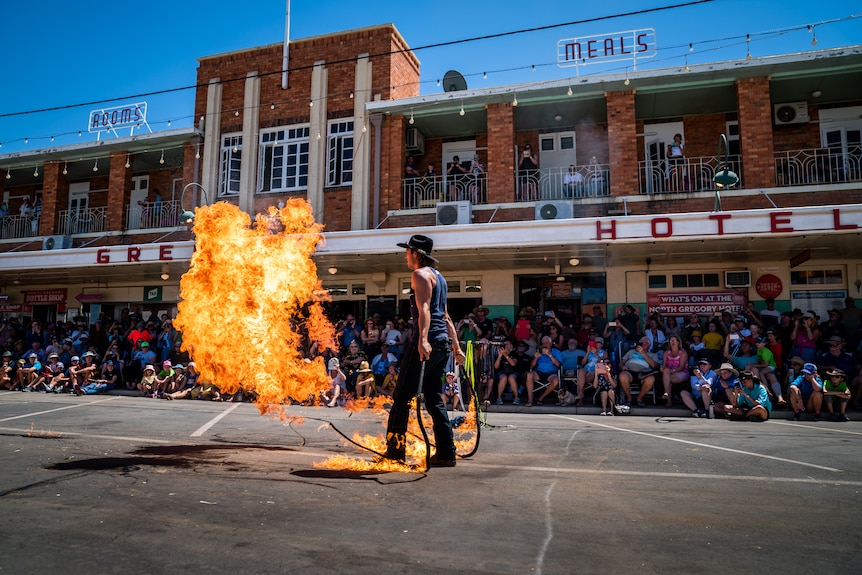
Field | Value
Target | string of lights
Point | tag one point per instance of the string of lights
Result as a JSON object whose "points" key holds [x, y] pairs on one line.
{"points": [[707, 46]]}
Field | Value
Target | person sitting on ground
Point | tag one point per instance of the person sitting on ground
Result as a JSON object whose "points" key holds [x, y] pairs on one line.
{"points": [[178, 381], [702, 383], [165, 378], [723, 393], [337, 386], [388, 386], [189, 382], [380, 363], [546, 362], [85, 374], [103, 384], [835, 391], [806, 393], [7, 371], [742, 356], [148, 385], [451, 392], [350, 363], [638, 363], [364, 381], [752, 399], [764, 368], [605, 384], [28, 373], [596, 353]]}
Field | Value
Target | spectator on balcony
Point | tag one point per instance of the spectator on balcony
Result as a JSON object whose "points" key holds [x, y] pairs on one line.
{"points": [[456, 174], [528, 173], [430, 189], [597, 177], [475, 179], [573, 183], [412, 194], [676, 164], [157, 208], [26, 209], [37, 214]]}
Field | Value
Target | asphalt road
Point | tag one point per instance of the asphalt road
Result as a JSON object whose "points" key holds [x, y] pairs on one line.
{"points": [[114, 484]]}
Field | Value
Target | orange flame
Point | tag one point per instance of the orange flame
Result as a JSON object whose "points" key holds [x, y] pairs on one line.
{"points": [[251, 300]]}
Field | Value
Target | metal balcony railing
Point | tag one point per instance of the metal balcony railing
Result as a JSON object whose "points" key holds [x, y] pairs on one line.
{"points": [[590, 181], [12, 227], [145, 215], [87, 221], [427, 192], [681, 175], [818, 166]]}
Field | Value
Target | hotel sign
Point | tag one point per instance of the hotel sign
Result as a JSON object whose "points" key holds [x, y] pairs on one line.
{"points": [[701, 303], [628, 46]]}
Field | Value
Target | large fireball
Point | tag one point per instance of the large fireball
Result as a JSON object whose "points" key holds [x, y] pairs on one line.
{"points": [[251, 303]]}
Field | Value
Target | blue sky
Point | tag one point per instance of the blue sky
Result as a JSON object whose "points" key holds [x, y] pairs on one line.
{"points": [[69, 53]]}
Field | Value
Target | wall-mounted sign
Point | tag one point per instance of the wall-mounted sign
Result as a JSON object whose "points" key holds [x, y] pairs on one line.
{"points": [[153, 293], [699, 302], [45, 296], [628, 46], [768, 285], [129, 116]]}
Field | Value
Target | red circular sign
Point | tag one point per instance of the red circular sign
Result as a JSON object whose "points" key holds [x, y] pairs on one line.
{"points": [[768, 285]]}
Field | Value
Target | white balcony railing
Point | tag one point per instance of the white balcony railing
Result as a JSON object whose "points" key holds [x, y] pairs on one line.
{"points": [[591, 181], [87, 221], [145, 215], [680, 175], [818, 166], [427, 192], [12, 227]]}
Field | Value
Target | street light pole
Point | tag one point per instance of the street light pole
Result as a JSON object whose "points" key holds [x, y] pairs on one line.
{"points": [[188, 217], [723, 178]]}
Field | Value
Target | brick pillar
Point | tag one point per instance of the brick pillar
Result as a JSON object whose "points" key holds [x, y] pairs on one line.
{"points": [[55, 197], [622, 142], [501, 152], [393, 155], [119, 190], [755, 130]]}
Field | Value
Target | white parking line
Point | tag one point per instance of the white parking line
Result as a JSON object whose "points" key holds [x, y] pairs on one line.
{"points": [[739, 451], [26, 415], [203, 429], [32, 432], [815, 427]]}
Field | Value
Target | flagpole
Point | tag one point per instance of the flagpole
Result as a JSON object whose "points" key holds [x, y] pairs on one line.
{"points": [[286, 50]]}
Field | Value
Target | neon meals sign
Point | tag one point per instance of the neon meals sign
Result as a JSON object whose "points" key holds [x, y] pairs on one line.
{"points": [[128, 117], [628, 46]]}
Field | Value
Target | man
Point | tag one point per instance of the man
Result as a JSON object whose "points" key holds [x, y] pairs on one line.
{"points": [[806, 392], [428, 351], [831, 328], [764, 368], [599, 320], [544, 367], [770, 316], [639, 363], [380, 363], [703, 380]]}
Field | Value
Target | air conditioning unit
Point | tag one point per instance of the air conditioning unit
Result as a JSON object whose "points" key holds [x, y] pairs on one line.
{"points": [[415, 141], [737, 279], [554, 210], [57, 243], [452, 213], [791, 113]]}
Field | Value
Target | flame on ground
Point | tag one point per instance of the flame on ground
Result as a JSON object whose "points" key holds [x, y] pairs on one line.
{"points": [[250, 301]]}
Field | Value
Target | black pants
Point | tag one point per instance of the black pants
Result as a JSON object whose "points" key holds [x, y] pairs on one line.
{"points": [[432, 387]]}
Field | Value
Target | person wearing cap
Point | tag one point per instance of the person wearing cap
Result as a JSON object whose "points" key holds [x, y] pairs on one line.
{"points": [[141, 356], [836, 392], [29, 372], [764, 368], [702, 381], [596, 353], [337, 383], [806, 392], [830, 328], [189, 382], [87, 372], [104, 384], [432, 341], [752, 399], [451, 391], [836, 358], [364, 381], [804, 337], [165, 378]]}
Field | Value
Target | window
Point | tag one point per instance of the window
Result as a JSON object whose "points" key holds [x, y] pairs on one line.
{"points": [[357, 289], [732, 131], [283, 160], [656, 282], [816, 277], [340, 153], [695, 280], [229, 165]]}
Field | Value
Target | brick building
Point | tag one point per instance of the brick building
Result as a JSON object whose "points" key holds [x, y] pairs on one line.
{"points": [[609, 216]]}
